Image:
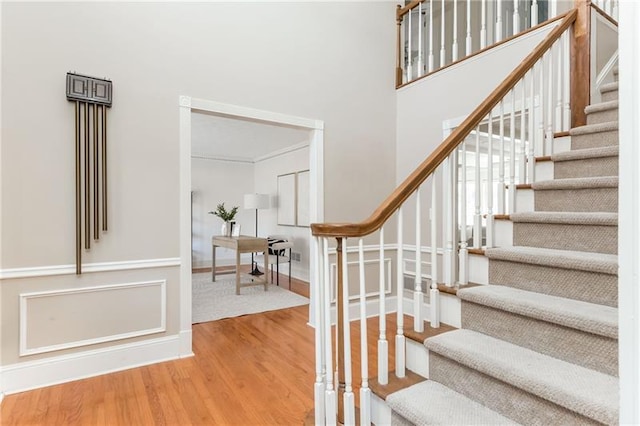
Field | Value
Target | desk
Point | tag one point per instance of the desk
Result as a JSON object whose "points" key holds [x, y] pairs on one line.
{"points": [[241, 244]]}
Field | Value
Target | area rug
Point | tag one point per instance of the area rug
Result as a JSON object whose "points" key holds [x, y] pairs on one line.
{"points": [[216, 300]]}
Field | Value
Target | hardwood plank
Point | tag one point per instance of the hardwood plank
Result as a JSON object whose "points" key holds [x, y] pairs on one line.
{"points": [[428, 331], [395, 384]]}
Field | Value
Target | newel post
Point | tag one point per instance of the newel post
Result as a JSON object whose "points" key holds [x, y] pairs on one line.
{"points": [[581, 63], [340, 373]]}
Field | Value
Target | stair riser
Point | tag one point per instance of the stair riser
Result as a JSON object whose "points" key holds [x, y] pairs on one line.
{"points": [[577, 200], [590, 167], [514, 403], [588, 350], [594, 140], [609, 96], [590, 238], [569, 283], [602, 116]]}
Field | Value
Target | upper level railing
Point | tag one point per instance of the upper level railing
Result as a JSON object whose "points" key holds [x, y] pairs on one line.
{"points": [[433, 34], [502, 137]]}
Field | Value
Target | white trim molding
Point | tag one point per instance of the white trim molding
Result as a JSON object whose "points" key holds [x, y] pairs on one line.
{"points": [[46, 271], [25, 376], [25, 298]]}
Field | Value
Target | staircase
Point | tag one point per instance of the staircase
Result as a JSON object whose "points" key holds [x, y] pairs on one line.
{"points": [[538, 345]]}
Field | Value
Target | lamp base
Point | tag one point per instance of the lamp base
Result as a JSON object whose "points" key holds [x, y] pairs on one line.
{"points": [[256, 271]]}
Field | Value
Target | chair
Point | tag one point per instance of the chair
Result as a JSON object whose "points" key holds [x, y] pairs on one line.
{"points": [[280, 247]]}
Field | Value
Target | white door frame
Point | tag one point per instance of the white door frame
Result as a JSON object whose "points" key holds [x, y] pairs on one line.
{"points": [[188, 105]]}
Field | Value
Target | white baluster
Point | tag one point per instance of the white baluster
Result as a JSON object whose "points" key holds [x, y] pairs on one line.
{"points": [[400, 339], [330, 397], [365, 392], [420, 70], [468, 41], [409, 47], [431, 58], [448, 222], [516, 17], [566, 119], [614, 10], [550, 101], [443, 52], [483, 25], [464, 254], [499, 21], [434, 294], [348, 397], [319, 386], [418, 295], [501, 164], [560, 85], [477, 217], [522, 178], [383, 347], [490, 183], [512, 154], [531, 163], [534, 13], [454, 47], [541, 140]]}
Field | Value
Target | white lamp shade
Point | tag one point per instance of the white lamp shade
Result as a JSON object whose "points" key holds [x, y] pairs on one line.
{"points": [[256, 201]]}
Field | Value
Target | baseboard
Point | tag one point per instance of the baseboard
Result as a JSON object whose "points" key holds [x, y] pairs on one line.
{"points": [[51, 371]]}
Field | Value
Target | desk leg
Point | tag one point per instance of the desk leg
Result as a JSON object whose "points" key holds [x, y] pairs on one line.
{"points": [[213, 263], [266, 271], [237, 272]]}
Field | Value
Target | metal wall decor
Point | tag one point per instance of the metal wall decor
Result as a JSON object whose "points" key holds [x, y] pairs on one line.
{"points": [[92, 96]]}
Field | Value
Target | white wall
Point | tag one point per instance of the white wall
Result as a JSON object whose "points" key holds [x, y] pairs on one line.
{"points": [[214, 182], [328, 61], [266, 174]]}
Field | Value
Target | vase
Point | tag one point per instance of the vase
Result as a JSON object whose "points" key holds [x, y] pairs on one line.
{"points": [[227, 228]]}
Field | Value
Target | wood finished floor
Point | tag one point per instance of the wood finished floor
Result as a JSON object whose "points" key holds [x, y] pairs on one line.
{"points": [[252, 370]]}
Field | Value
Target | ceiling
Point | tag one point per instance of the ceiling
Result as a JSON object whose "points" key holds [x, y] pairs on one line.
{"points": [[236, 138]]}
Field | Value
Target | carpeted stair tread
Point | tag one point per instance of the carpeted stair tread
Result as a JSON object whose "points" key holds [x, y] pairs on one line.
{"points": [[430, 403], [609, 87], [594, 128], [584, 391], [587, 153], [589, 317], [567, 218], [602, 106], [577, 183], [566, 259]]}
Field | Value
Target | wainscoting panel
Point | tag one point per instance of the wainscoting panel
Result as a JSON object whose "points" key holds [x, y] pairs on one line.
{"points": [[371, 277], [62, 319]]}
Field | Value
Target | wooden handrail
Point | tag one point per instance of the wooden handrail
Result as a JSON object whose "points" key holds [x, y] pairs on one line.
{"points": [[428, 166], [604, 14]]}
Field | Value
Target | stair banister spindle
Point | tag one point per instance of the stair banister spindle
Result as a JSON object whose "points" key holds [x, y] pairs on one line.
{"points": [[499, 24], [349, 399], [431, 58], [483, 25], [454, 47], [468, 40], [443, 52], [420, 70], [516, 17], [559, 85], [550, 101], [400, 339], [383, 347], [501, 164], [418, 322], [330, 397], [463, 214], [434, 299], [540, 116], [566, 72], [365, 392], [522, 178], [512, 154], [489, 242], [321, 372], [534, 13], [477, 217], [532, 130], [409, 47], [448, 183]]}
